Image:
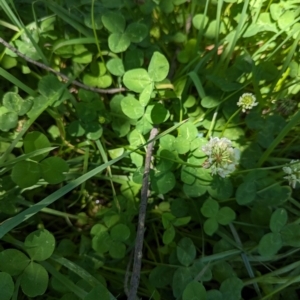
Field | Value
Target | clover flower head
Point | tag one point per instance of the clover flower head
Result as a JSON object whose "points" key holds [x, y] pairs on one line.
{"points": [[293, 173], [222, 157], [247, 101]]}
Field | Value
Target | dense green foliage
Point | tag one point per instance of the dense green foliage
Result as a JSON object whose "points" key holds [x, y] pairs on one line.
{"points": [[72, 159]]}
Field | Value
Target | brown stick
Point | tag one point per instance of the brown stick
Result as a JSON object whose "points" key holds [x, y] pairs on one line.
{"points": [[75, 82], [138, 251]]}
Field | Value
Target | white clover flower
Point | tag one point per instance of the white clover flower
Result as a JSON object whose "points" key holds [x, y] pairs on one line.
{"points": [[247, 101], [293, 173], [222, 157]]}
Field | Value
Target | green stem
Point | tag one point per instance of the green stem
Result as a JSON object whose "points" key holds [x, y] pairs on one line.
{"points": [[229, 120], [213, 122], [288, 127]]}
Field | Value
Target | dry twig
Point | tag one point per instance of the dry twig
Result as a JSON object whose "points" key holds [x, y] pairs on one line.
{"points": [[65, 77], [138, 251]]}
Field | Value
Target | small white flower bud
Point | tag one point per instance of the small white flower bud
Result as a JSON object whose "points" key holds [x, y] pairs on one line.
{"points": [[247, 101]]}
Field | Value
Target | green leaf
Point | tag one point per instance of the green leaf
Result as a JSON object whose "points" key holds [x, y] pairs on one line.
{"points": [[27, 49], [196, 189], [26, 173], [137, 176], [214, 295], [254, 121], [213, 27], [251, 155], [93, 130], [114, 22], [161, 276], [210, 101], [200, 21], [69, 296], [190, 101], [14, 103], [48, 87], [169, 235], [158, 67], [167, 217], [121, 126], [225, 215], [120, 232], [200, 271], [265, 71], [8, 120], [137, 32], [166, 142], [143, 126], [75, 129], [34, 280], [8, 62], [210, 226], [279, 218], [246, 193], [157, 113], [291, 235], [163, 183], [118, 42], [194, 291], [39, 104], [83, 58], [261, 214], [182, 277], [66, 247], [189, 51], [6, 286], [93, 23], [135, 138], [36, 140], [270, 244], [210, 208], [98, 229], [39, 244], [132, 108], [286, 19], [189, 131], [117, 250], [186, 251], [13, 261], [146, 94], [114, 153], [188, 174], [53, 169], [137, 80], [133, 59], [220, 188], [97, 81], [165, 162], [275, 195], [115, 66], [111, 219], [179, 207], [98, 292], [223, 270], [181, 145], [224, 84], [166, 6], [101, 242], [231, 288], [276, 10], [113, 4]]}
